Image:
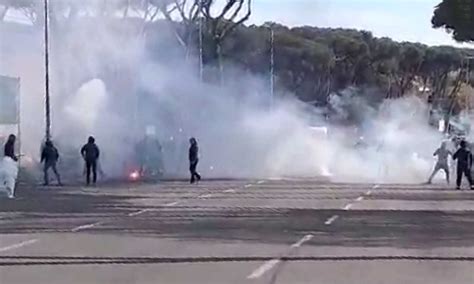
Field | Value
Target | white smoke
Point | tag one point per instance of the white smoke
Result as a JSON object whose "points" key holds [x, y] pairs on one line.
{"points": [[239, 134]]}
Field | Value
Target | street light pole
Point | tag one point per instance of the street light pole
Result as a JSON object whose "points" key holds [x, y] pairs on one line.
{"points": [[272, 66], [46, 62]]}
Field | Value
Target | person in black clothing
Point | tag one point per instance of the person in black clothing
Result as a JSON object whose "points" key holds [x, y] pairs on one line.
{"points": [[464, 158], [193, 160], [50, 157], [9, 150], [90, 153]]}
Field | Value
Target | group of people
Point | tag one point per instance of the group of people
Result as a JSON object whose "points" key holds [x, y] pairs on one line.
{"points": [[463, 156], [90, 153]]}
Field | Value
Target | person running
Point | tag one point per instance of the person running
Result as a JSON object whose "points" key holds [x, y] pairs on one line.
{"points": [[9, 149], [90, 152], [442, 164], [50, 157], [193, 160], [464, 158]]}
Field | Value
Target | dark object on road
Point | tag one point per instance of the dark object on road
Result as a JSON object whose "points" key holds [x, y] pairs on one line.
{"points": [[50, 157], [194, 160], [464, 158], [9, 149], [90, 152]]}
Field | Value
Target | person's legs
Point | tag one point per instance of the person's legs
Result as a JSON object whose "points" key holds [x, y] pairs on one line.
{"points": [[94, 172], [56, 173], [467, 173], [459, 174], [88, 172], [446, 171], [45, 173], [435, 171], [192, 170]]}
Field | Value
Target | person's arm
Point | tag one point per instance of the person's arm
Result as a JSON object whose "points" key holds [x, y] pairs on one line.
{"points": [[83, 152], [455, 156], [436, 152], [43, 155], [98, 152]]}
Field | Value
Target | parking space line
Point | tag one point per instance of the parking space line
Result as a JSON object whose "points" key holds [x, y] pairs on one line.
{"points": [[172, 203], [247, 185], [262, 269], [18, 245], [138, 212], [331, 220], [348, 206], [360, 198], [302, 241], [257, 273], [229, 191], [202, 196], [83, 227], [260, 181]]}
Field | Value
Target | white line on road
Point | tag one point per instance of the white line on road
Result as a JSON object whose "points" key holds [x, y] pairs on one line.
{"points": [[229, 191], [247, 185], [19, 245], [172, 203], [302, 241], [368, 192], [138, 212], [205, 196], [262, 269], [376, 186], [347, 207], [331, 220], [260, 181], [360, 198], [257, 273], [83, 227]]}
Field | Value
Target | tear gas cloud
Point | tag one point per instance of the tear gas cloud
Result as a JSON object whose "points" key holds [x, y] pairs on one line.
{"points": [[239, 134]]}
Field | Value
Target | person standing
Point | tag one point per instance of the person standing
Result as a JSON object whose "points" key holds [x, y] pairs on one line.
{"points": [[90, 153], [9, 167], [9, 149], [464, 158], [194, 160], [442, 163], [50, 157]]}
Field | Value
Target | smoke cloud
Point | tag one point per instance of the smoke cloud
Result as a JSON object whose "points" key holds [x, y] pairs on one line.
{"points": [[239, 133]]}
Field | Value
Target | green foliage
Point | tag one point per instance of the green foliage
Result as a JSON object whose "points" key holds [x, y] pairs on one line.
{"points": [[457, 17]]}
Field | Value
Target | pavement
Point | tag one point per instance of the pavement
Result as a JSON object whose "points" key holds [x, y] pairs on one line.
{"points": [[238, 231]]}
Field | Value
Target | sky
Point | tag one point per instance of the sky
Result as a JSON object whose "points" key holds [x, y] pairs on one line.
{"points": [[402, 20]]}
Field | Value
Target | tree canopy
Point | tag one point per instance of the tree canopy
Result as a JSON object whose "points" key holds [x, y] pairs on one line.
{"points": [[457, 17]]}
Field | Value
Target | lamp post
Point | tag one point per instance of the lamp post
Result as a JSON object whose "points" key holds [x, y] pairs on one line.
{"points": [[46, 63]]}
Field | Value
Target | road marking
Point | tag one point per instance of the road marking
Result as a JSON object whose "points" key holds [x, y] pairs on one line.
{"points": [[348, 206], [229, 191], [138, 212], [302, 241], [205, 196], [257, 273], [172, 203], [376, 186], [260, 181], [262, 269], [368, 192], [360, 198], [19, 245], [247, 185], [331, 220], [83, 227]]}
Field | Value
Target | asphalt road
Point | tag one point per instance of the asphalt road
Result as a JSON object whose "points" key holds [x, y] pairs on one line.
{"points": [[238, 231]]}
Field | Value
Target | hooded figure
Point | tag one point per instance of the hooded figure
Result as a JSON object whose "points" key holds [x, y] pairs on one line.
{"points": [[9, 167], [464, 158], [193, 160], [50, 157], [442, 164], [90, 152], [9, 149]]}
